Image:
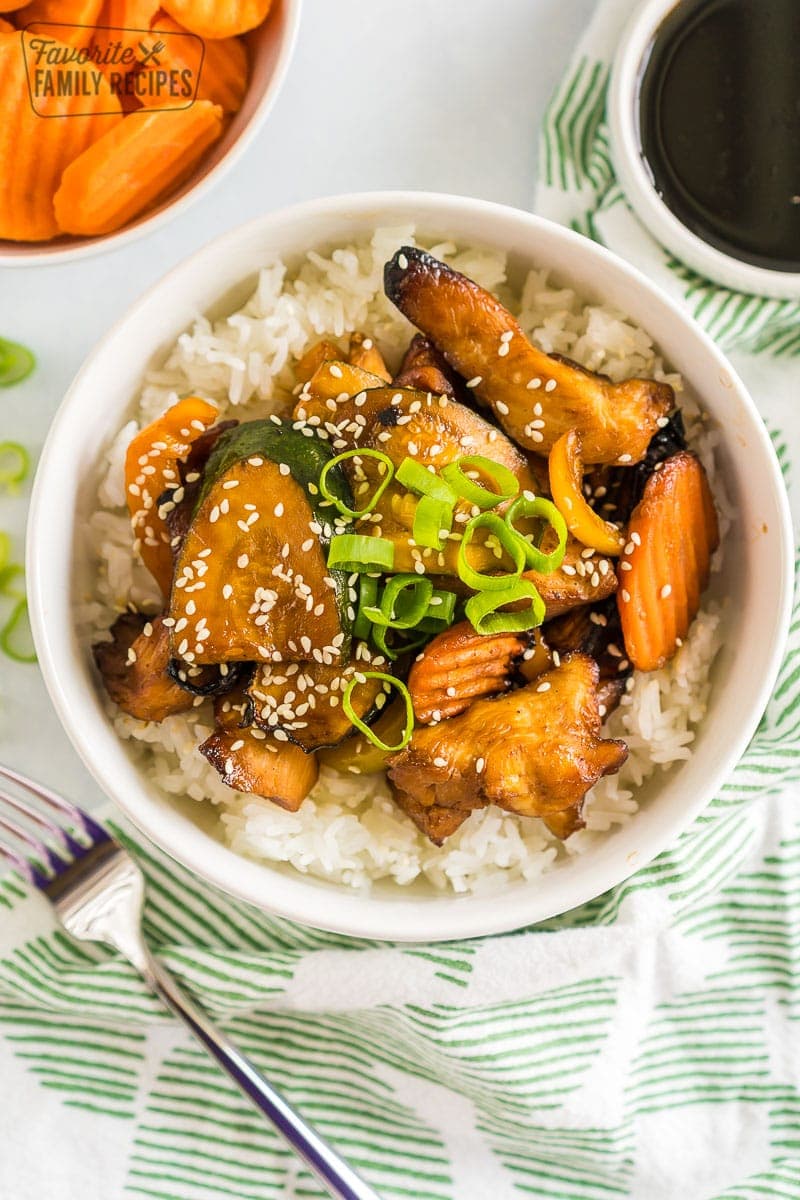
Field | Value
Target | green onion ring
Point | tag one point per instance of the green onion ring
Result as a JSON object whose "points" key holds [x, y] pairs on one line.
{"points": [[11, 476], [432, 519], [350, 712], [511, 542], [381, 488], [506, 481], [415, 605], [482, 610], [367, 595], [358, 552], [16, 362], [416, 478], [546, 511], [19, 614]]}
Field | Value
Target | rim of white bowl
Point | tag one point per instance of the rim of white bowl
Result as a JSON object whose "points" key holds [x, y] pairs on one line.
{"points": [[636, 181], [107, 243], [300, 898]]}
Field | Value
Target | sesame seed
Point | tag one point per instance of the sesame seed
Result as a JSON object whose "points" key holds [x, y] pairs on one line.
{"points": [[666, 591], [131, 657], [278, 509], [533, 384], [626, 566], [507, 336], [412, 448], [335, 371], [626, 595], [480, 763], [230, 483], [624, 458], [536, 436], [402, 262], [440, 762], [503, 350], [242, 561], [662, 422], [567, 569], [543, 687], [473, 383], [636, 539], [550, 386]]}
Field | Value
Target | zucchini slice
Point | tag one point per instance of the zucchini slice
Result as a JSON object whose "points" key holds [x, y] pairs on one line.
{"points": [[304, 700], [251, 581]]}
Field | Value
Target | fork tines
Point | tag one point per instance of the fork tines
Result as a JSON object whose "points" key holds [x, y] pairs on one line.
{"points": [[31, 840]]}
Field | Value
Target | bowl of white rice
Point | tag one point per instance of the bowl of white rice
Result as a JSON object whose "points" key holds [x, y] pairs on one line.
{"points": [[228, 324]]}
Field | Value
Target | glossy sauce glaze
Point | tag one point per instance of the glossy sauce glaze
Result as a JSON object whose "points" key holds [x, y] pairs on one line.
{"points": [[719, 119]]}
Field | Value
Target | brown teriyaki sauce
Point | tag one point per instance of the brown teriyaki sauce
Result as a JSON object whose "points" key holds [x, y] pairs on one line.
{"points": [[719, 125]]}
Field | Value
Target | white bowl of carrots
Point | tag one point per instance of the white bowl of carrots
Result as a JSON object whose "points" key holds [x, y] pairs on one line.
{"points": [[757, 576], [118, 113]]}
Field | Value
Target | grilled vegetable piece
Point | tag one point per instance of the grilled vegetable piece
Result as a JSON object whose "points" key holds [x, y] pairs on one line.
{"points": [[363, 353], [248, 760], [535, 751], [251, 580], [479, 338], [460, 666], [212, 680], [424, 368], [305, 699], [357, 754], [672, 534], [134, 668], [312, 360], [151, 468], [331, 393], [595, 631], [177, 514], [566, 487]]}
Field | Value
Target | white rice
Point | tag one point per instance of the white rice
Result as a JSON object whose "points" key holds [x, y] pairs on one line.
{"points": [[348, 829]]}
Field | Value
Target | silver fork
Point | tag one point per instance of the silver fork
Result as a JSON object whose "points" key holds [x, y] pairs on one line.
{"points": [[97, 891]]}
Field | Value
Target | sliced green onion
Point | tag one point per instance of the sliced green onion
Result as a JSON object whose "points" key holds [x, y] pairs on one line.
{"points": [[16, 362], [442, 607], [5, 548], [381, 488], [433, 519], [367, 595], [543, 510], [19, 617], [511, 542], [483, 610], [404, 602], [352, 716], [393, 651], [419, 479], [357, 552], [15, 463], [504, 481], [7, 573]]}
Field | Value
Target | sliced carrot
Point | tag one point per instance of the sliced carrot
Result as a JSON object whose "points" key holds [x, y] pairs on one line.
{"points": [[218, 18], [71, 21], [123, 173], [215, 70], [35, 149], [151, 467], [672, 534]]}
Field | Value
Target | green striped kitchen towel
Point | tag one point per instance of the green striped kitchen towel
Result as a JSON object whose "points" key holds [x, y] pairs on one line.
{"points": [[645, 1046]]}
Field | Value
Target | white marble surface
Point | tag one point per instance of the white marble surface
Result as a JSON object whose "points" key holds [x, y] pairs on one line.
{"points": [[441, 95]]}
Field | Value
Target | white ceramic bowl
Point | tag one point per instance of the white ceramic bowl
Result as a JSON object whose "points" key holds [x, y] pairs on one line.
{"points": [[217, 278], [270, 49], [637, 182]]}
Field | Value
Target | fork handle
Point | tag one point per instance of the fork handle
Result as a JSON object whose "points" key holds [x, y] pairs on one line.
{"points": [[333, 1172]]}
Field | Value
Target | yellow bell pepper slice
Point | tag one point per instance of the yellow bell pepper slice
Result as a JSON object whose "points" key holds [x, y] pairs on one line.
{"points": [[566, 484]]}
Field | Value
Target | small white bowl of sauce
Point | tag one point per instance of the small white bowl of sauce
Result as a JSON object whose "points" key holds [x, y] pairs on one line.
{"points": [[704, 115]]}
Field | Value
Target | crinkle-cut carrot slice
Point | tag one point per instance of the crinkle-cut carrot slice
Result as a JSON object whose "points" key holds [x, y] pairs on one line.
{"points": [[34, 148], [71, 21], [136, 163], [151, 467], [218, 18], [672, 534], [217, 69]]}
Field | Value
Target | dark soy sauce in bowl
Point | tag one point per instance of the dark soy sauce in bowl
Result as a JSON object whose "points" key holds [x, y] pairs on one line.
{"points": [[719, 124]]}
